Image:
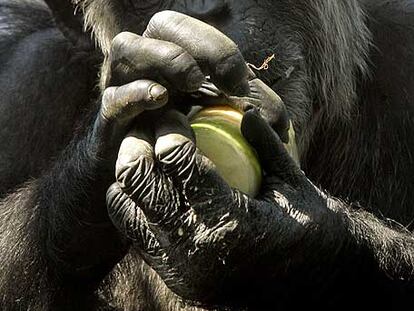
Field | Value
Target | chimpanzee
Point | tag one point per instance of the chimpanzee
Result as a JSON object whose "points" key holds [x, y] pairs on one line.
{"points": [[108, 205]]}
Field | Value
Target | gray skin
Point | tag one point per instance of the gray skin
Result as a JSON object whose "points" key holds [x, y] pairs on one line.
{"points": [[207, 242], [189, 225], [177, 237]]}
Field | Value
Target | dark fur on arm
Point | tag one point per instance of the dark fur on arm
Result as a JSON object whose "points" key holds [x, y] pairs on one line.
{"points": [[55, 238], [389, 243], [52, 254], [376, 261]]}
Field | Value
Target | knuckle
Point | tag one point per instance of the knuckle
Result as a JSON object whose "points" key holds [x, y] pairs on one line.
{"points": [[120, 39], [120, 64], [161, 22], [161, 17], [131, 151], [179, 157], [174, 147], [136, 174], [178, 54], [108, 95], [135, 162]]}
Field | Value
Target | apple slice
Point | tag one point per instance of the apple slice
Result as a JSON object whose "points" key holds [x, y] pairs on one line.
{"points": [[219, 138]]}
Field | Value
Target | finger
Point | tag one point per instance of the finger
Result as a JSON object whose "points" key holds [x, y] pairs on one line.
{"points": [[126, 102], [261, 96], [128, 218], [271, 108], [175, 137], [134, 57], [131, 221], [269, 105], [140, 178], [215, 52], [273, 156], [192, 173]]}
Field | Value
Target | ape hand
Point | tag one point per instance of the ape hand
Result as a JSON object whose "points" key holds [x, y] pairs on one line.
{"points": [[202, 237], [172, 59]]}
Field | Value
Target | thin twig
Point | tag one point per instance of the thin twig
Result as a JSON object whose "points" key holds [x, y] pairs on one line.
{"points": [[265, 65]]}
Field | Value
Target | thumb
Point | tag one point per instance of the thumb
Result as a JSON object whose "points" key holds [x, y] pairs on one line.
{"points": [[274, 157]]}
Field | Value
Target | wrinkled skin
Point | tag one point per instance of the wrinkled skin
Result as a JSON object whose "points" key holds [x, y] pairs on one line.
{"points": [[120, 210], [194, 230], [189, 225]]}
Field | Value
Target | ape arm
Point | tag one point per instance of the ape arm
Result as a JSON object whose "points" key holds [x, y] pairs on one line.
{"points": [[389, 244], [56, 238], [286, 248], [56, 241], [47, 234]]}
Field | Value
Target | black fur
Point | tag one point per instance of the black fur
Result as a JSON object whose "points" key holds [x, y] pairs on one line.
{"points": [[343, 69]]}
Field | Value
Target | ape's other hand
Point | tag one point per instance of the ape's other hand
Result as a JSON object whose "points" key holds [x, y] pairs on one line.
{"points": [[203, 238]]}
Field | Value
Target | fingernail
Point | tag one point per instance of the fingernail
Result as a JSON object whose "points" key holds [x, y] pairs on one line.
{"points": [[158, 93], [248, 107], [253, 110], [195, 78]]}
